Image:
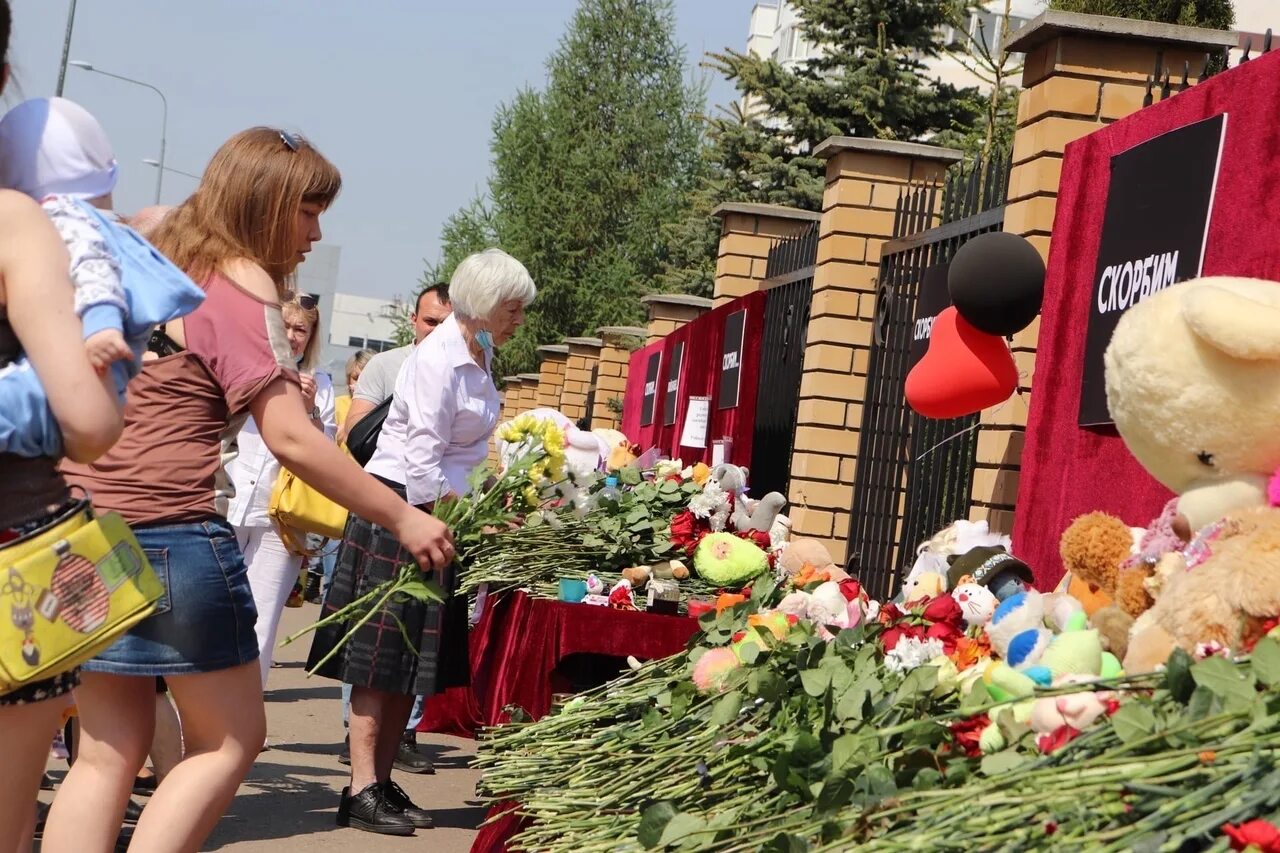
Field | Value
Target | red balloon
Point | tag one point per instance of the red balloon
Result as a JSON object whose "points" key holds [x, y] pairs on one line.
{"points": [[964, 370]]}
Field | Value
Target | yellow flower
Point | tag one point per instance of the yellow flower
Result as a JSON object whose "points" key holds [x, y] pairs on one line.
{"points": [[553, 437], [531, 496]]}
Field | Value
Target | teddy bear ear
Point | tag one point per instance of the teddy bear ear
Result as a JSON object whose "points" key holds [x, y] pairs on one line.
{"points": [[1240, 317]]}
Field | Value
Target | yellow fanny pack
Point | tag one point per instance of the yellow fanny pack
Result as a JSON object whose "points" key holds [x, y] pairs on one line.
{"points": [[297, 509], [67, 591]]}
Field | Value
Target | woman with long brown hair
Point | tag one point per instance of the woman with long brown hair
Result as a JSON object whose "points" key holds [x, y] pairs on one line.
{"points": [[240, 236]]}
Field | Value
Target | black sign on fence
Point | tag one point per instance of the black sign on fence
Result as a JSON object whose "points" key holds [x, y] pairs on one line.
{"points": [[650, 388], [731, 359], [1153, 235], [933, 300], [673, 384]]}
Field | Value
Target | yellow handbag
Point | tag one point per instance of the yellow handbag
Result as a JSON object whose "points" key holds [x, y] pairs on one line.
{"points": [[297, 509], [67, 591]]}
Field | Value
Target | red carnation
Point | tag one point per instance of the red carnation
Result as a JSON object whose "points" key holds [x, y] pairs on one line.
{"points": [[949, 635], [944, 608], [890, 613], [890, 637], [850, 589], [966, 734], [1056, 739], [1258, 833], [759, 537], [686, 532]]}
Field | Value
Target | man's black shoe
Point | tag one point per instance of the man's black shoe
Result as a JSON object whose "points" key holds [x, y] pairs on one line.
{"points": [[313, 588], [344, 757], [397, 797], [132, 813], [370, 811], [408, 759]]}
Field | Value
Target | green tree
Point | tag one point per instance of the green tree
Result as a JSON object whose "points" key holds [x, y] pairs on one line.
{"points": [[588, 171], [868, 79], [1214, 14], [469, 230]]}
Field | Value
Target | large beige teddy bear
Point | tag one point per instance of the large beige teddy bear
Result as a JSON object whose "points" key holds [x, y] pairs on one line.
{"points": [[1193, 384]]}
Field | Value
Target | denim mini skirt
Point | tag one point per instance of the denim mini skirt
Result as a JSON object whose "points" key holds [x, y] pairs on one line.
{"points": [[204, 621]]}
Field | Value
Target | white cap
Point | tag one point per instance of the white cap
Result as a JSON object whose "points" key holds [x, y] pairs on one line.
{"points": [[52, 146]]}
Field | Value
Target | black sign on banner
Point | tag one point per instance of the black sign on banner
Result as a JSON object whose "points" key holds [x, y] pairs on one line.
{"points": [[673, 384], [933, 300], [731, 359], [1153, 235], [650, 388]]}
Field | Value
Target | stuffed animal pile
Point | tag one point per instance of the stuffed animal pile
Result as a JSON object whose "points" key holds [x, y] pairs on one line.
{"points": [[1193, 384]]}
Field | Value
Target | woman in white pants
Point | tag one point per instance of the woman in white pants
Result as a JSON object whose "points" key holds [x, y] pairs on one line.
{"points": [[273, 570]]}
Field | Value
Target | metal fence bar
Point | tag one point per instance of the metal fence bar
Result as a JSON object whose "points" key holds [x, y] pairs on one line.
{"points": [[789, 273], [914, 475]]}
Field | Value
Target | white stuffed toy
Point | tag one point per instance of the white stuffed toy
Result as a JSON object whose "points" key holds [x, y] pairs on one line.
{"points": [[1193, 384], [977, 603], [584, 451]]}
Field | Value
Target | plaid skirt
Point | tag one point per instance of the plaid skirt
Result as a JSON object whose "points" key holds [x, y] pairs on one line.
{"points": [[378, 656]]}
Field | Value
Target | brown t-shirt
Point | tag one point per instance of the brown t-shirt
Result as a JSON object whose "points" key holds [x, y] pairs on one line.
{"points": [[183, 409]]}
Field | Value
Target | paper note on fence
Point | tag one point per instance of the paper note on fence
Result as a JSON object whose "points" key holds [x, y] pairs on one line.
{"points": [[696, 418]]}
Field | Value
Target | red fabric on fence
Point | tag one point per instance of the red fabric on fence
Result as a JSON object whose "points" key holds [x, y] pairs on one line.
{"points": [[703, 341], [1068, 470], [519, 642]]}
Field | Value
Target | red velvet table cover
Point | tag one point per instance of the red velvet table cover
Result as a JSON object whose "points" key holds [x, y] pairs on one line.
{"points": [[495, 837], [520, 640], [1069, 470]]}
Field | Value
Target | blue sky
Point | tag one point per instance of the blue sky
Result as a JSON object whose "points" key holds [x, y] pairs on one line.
{"points": [[398, 93]]}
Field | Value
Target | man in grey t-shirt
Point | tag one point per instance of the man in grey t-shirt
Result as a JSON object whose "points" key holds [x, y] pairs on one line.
{"points": [[378, 379]]}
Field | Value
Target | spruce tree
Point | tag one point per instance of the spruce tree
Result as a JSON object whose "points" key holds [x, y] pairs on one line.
{"points": [[588, 171], [868, 79]]}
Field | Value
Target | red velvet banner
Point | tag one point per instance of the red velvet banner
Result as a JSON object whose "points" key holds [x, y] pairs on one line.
{"points": [[1069, 470], [703, 341]]}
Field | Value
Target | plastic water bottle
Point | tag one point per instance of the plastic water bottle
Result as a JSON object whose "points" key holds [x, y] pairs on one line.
{"points": [[610, 491]]}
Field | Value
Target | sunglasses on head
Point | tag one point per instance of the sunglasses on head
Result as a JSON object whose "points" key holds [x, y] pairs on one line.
{"points": [[291, 140], [304, 300]]}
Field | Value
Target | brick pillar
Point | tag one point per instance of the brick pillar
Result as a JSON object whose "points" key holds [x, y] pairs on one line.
{"points": [[551, 374], [746, 232], [1081, 73], [528, 392], [510, 397], [611, 380], [579, 370], [668, 312], [864, 180]]}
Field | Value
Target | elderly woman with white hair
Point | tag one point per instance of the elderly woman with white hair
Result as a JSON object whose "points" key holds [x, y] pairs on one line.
{"points": [[437, 432]]}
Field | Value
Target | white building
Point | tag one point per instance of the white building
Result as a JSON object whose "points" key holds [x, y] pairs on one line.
{"points": [[347, 322], [776, 32], [354, 323]]}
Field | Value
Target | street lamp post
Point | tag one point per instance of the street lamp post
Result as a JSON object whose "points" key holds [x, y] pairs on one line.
{"points": [[164, 119], [66, 47], [148, 161]]}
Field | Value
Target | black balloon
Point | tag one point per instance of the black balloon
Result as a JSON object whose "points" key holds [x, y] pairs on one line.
{"points": [[996, 282]]}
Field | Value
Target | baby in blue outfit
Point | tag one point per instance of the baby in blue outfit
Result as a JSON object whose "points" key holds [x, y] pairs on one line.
{"points": [[56, 152]]}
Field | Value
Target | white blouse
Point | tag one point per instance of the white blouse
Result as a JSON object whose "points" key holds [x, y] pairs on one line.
{"points": [[254, 470], [441, 419]]}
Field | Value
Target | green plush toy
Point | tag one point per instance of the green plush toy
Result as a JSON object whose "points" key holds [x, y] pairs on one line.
{"points": [[728, 561]]}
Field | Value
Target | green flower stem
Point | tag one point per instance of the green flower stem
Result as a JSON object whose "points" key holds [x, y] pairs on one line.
{"points": [[360, 623]]}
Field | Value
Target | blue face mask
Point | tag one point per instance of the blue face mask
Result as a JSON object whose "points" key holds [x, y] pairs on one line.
{"points": [[485, 340]]}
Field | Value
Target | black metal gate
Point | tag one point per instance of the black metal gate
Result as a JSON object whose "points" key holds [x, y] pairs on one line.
{"points": [[915, 474], [789, 284]]}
